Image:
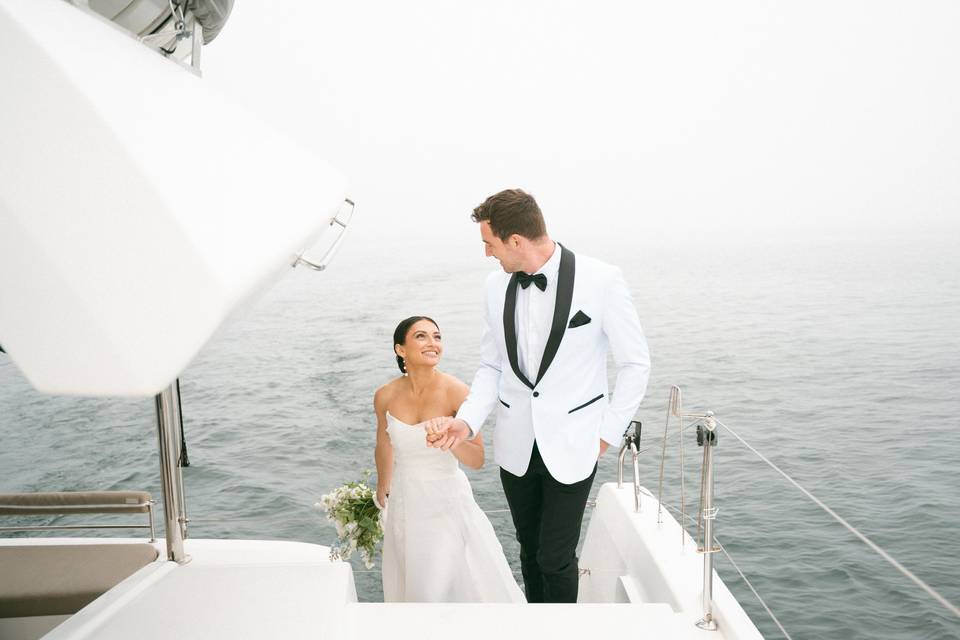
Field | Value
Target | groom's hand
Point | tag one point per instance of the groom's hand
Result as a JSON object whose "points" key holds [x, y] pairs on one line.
{"points": [[454, 432]]}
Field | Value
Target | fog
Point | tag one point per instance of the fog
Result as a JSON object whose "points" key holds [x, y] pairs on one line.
{"points": [[655, 121]]}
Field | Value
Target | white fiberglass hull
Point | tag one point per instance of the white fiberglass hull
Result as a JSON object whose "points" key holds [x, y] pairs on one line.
{"points": [[234, 589], [138, 208]]}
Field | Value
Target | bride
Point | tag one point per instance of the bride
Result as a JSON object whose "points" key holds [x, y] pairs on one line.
{"points": [[438, 545]]}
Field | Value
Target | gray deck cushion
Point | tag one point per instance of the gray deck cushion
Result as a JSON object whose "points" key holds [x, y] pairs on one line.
{"points": [[42, 580], [74, 502]]}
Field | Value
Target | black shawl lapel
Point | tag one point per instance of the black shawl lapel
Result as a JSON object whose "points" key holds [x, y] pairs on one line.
{"points": [[561, 311], [510, 328]]}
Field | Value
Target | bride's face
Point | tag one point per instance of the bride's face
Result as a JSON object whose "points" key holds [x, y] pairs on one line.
{"points": [[422, 346]]}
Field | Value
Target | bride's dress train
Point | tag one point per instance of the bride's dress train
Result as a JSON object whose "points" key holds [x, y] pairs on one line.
{"points": [[438, 545]]}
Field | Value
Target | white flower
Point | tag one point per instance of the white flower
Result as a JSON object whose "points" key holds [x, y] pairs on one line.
{"points": [[345, 506]]}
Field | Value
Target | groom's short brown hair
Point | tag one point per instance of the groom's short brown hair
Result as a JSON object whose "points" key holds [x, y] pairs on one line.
{"points": [[512, 211]]}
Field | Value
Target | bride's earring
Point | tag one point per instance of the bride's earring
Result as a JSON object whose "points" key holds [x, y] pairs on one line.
{"points": [[404, 366]]}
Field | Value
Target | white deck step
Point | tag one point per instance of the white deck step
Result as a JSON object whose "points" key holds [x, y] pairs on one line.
{"points": [[258, 589], [282, 590], [368, 621], [638, 580]]}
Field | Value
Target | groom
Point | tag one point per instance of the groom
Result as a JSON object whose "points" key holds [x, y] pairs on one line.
{"points": [[550, 318]]}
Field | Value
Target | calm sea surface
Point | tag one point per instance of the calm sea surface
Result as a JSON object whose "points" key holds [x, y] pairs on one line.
{"points": [[839, 360]]}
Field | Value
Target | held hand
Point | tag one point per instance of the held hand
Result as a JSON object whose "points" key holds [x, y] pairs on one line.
{"points": [[603, 448], [455, 431], [435, 427]]}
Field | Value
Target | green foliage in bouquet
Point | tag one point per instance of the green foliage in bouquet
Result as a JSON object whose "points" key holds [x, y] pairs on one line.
{"points": [[352, 510]]}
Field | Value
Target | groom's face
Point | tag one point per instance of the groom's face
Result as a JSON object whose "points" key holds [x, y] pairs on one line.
{"points": [[508, 254]]}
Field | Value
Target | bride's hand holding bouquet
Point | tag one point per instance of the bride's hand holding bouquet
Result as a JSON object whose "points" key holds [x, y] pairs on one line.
{"points": [[355, 515]]}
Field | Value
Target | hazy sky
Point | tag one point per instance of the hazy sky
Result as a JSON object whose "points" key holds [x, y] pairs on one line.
{"points": [[621, 117]]}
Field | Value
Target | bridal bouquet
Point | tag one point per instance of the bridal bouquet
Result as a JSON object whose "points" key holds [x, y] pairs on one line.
{"points": [[352, 510]]}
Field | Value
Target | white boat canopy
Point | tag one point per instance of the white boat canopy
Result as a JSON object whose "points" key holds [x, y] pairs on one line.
{"points": [[138, 207]]}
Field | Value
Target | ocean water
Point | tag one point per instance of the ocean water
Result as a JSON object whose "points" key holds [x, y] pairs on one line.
{"points": [[837, 358]]}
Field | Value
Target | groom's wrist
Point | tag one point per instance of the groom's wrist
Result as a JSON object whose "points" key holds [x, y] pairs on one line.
{"points": [[470, 433]]}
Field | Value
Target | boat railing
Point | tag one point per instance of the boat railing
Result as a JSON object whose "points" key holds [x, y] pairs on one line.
{"points": [[707, 426], [76, 503], [707, 438], [631, 442]]}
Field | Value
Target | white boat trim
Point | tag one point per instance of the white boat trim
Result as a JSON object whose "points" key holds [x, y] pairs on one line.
{"points": [[635, 569], [132, 224]]}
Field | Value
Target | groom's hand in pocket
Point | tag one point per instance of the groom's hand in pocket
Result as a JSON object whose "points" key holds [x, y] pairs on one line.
{"points": [[603, 448]]}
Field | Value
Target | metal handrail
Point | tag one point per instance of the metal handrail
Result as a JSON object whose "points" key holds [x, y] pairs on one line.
{"points": [[707, 427], [631, 440], [706, 437], [327, 257], [57, 508], [58, 527], [62, 509], [739, 571], [171, 478]]}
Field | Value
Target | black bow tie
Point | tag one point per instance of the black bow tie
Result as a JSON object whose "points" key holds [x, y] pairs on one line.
{"points": [[538, 279]]}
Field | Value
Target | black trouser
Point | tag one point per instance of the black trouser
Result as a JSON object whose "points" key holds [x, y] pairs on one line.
{"points": [[547, 515]]}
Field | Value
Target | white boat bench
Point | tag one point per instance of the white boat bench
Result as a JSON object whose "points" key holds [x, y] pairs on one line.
{"points": [[43, 581]]}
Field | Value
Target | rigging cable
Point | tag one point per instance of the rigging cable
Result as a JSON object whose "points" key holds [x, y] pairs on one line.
{"points": [[867, 541]]}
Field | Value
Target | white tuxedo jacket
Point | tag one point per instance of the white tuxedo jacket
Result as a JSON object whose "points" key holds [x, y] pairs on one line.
{"points": [[567, 409]]}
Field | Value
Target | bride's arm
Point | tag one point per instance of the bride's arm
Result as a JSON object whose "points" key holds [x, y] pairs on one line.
{"points": [[383, 453], [468, 452]]}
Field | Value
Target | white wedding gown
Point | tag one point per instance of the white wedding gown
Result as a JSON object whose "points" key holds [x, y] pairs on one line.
{"points": [[438, 545]]}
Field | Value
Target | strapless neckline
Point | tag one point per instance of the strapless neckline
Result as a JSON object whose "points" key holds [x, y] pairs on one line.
{"points": [[398, 420]]}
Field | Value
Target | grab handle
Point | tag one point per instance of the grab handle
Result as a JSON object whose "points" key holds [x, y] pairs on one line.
{"points": [[630, 441], [328, 256]]}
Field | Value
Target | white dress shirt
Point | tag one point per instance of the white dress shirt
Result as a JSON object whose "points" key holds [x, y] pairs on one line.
{"points": [[534, 317]]}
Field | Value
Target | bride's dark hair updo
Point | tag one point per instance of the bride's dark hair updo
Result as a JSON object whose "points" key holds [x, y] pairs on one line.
{"points": [[400, 335]]}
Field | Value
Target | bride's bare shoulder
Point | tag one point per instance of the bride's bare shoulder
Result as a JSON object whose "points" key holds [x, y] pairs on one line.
{"points": [[455, 387], [383, 395]]}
